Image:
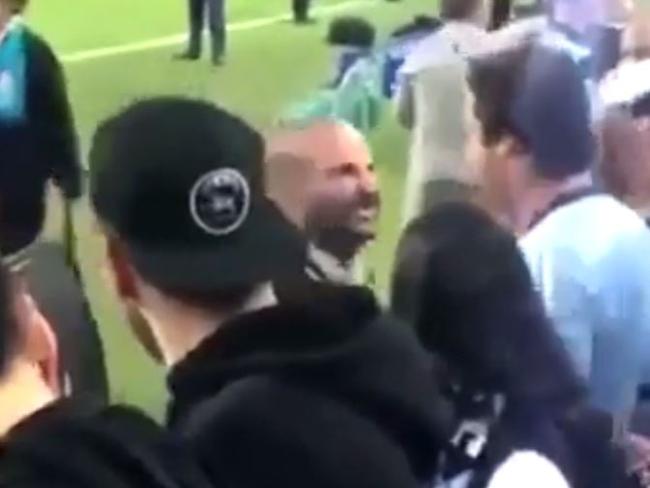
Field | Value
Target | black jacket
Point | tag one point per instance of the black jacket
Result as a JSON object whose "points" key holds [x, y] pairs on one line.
{"points": [[70, 445], [320, 395], [43, 147]]}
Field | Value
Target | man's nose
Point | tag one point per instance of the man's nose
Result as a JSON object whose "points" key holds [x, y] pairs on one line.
{"points": [[369, 181], [369, 187]]}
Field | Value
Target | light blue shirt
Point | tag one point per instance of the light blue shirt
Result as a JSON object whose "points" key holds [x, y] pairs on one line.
{"points": [[590, 260]]}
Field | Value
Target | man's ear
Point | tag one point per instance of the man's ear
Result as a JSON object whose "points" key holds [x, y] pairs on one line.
{"points": [[121, 269], [642, 125], [509, 147], [38, 342], [289, 181]]}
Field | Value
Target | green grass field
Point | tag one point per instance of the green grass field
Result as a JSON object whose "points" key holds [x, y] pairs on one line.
{"points": [[268, 68]]}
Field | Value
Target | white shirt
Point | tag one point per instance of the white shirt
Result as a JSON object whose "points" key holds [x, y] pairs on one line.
{"points": [[530, 470], [8, 26], [323, 266], [431, 101]]}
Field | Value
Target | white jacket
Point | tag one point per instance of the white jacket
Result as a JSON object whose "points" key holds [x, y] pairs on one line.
{"points": [[430, 101], [529, 469]]}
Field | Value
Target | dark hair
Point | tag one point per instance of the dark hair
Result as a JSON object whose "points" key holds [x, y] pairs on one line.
{"points": [[418, 25], [17, 6], [537, 95], [351, 31], [225, 299], [640, 107], [473, 304], [458, 9], [500, 14], [9, 334]]}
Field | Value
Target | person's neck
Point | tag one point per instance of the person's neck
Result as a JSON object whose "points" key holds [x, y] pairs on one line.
{"points": [[639, 202], [344, 246], [22, 393], [179, 329], [541, 194]]}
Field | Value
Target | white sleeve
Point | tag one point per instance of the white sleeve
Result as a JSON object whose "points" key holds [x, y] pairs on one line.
{"points": [[529, 469], [404, 103]]}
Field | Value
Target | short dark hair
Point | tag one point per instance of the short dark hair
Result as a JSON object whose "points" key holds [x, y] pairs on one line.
{"points": [[472, 302], [640, 107], [230, 298], [458, 9], [351, 31], [17, 6], [9, 334], [536, 94]]}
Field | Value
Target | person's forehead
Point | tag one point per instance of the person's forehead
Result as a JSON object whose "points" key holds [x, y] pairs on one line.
{"points": [[324, 144], [332, 144], [637, 34]]}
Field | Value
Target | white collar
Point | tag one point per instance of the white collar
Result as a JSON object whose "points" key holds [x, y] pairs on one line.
{"points": [[13, 22], [331, 268], [626, 83]]}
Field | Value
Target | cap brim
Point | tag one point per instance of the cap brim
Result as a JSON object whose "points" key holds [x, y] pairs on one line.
{"points": [[266, 248]]}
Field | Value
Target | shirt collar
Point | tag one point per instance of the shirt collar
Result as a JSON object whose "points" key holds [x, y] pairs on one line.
{"points": [[324, 266], [13, 22]]}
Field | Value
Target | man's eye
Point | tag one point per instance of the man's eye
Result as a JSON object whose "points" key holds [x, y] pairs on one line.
{"points": [[348, 169]]}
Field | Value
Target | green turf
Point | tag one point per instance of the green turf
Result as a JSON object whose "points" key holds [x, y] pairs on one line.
{"points": [[267, 69]]}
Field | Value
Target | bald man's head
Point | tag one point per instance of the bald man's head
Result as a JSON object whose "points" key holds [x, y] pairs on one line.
{"points": [[636, 37], [330, 164]]}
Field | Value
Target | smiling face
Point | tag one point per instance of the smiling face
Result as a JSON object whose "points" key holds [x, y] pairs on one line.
{"points": [[345, 194]]}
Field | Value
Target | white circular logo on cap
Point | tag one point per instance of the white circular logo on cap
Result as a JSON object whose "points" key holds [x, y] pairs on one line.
{"points": [[220, 201]]}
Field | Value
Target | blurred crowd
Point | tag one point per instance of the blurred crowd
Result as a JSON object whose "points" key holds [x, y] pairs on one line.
{"points": [[512, 348]]}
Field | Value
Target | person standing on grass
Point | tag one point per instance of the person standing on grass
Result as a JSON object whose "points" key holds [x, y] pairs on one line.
{"points": [[214, 11], [38, 141], [587, 252], [429, 103], [319, 393], [301, 11]]}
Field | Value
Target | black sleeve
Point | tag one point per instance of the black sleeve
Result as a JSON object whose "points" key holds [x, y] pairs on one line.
{"points": [[51, 117]]}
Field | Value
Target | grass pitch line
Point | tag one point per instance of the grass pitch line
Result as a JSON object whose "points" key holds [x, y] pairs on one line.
{"points": [[174, 40]]}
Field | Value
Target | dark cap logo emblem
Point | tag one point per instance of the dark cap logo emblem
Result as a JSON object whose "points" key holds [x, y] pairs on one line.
{"points": [[220, 201]]}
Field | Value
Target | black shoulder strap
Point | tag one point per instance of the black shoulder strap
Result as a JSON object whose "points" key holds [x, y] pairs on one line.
{"points": [[563, 200]]}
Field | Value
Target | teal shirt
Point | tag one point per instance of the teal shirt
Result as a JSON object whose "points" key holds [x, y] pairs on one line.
{"points": [[13, 67]]}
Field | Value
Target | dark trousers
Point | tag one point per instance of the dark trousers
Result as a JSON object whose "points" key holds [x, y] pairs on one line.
{"points": [[301, 10], [215, 12]]}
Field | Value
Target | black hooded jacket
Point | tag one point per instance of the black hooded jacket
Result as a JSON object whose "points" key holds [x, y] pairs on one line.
{"points": [[44, 147], [325, 394], [70, 445]]}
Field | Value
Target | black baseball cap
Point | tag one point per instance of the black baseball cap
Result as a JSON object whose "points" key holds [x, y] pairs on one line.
{"points": [[181, 183]]}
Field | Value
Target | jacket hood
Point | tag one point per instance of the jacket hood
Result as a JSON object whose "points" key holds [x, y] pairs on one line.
{"points": [[68, 445], [338, 345]]}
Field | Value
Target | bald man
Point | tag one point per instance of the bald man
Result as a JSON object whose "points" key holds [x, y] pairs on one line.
{"points": [[636, 38], [322, 176]]}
